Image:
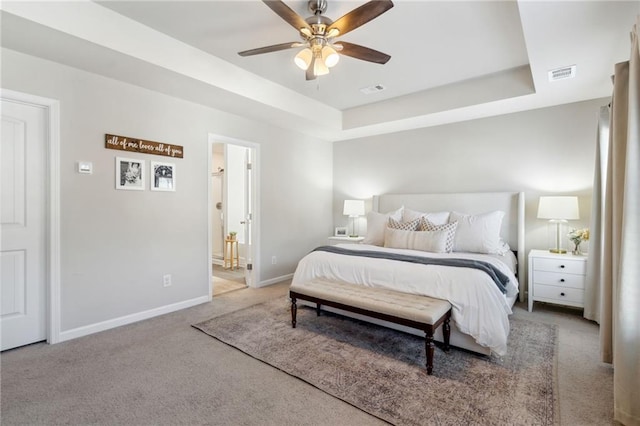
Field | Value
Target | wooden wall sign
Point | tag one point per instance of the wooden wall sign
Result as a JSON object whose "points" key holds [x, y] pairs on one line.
{"points": [[123, 143]]}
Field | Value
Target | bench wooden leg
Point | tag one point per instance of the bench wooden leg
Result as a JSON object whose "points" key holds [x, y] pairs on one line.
{"points": [[294, 312], [428, 346], [318, 309], [446, 332]]}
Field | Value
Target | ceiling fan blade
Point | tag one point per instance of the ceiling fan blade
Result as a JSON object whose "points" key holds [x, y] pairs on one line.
{"points": [[272, 48], [361, 15], [286, 13], [309, 75], [361, 52]]}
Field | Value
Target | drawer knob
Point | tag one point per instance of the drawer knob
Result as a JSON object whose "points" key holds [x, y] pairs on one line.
{"points": [[562, 266], [562, 294], [561, 280]]}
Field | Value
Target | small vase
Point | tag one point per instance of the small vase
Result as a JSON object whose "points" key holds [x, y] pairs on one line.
{"points": [[576, 251]]}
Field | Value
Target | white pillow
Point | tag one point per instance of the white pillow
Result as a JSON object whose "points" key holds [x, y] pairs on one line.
{"points": [[478, 233], [432, 241], [439, 218], [377, 223]]}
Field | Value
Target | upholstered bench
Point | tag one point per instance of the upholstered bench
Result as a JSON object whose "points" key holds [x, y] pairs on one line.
{"points": [[421, 312]]}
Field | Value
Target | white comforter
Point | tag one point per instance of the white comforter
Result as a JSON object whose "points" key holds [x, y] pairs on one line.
{"points": [[479, 308]]}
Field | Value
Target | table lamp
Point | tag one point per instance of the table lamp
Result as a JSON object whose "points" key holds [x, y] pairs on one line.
{"points": [[558, 209], [353, 209]]}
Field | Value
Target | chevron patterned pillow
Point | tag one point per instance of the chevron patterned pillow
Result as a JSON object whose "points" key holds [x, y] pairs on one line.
{"points": [[450, 228]]}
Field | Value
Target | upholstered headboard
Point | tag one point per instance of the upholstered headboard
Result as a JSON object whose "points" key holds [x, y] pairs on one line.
{"points": [[511, 203]]}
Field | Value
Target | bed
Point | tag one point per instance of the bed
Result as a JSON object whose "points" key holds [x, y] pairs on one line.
{"points": [[481, 307]]}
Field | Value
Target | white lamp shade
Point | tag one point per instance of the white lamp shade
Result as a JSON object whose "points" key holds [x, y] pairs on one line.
{"points": [[353, 208], [303, 58], [330, 56], [558, 208], [319, 67]]}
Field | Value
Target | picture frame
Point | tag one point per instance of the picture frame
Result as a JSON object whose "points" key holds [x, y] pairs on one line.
{"points": [[163, 176], [130, 174], [341, 231]]}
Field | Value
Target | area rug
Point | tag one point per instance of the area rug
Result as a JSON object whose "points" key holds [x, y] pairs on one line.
{"points": [[381, 371]]}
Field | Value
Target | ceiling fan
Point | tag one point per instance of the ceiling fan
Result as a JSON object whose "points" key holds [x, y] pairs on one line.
{"points": [[320, 50]]}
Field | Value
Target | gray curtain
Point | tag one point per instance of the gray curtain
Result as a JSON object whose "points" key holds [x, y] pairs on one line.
{"points": [[613, 290]]}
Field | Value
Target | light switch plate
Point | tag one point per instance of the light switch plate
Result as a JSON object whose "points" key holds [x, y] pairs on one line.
{"points": [[85, 167]]}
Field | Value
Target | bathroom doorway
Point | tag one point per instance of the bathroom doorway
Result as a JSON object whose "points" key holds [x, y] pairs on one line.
{"points": [[232, 219]]}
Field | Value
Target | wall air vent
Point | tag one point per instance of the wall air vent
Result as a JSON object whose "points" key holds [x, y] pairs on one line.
{"points": [[562, 73], [372, 89]]}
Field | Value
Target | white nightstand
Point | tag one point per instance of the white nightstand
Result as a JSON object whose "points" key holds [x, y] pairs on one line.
{"points": [[556, 278], [345, 240]]}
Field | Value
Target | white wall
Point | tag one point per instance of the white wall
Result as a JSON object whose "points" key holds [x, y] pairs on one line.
{"points": [[301, 193], [544, 151], [116, 245]]}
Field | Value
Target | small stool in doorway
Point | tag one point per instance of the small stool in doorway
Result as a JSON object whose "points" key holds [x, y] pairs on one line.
{"points": [[231, 253]]}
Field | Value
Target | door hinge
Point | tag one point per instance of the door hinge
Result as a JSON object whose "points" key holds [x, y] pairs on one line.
{"points": [[249, 266], [249, 166]]}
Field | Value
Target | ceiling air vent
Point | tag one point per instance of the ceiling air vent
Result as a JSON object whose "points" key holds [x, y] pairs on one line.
{"points": [[372, 89], [562, 73]]}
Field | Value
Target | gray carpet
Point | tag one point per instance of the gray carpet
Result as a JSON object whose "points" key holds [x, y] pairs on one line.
{"points": [[381, 371]]}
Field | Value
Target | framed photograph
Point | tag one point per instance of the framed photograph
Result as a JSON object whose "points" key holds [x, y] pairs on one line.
{"points": [[341, 231], [163, 176], [129, 173]]}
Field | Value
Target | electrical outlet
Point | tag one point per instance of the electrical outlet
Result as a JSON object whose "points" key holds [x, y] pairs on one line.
{"points": [[274, 260], [166, 280]]}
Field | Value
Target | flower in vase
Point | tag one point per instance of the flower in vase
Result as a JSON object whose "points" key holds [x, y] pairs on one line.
{"points": [[577, 236]]}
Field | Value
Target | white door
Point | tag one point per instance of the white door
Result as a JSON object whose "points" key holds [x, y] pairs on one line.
{"points": [[235, 163], [248, 214], [22, 225], [240, 160]]}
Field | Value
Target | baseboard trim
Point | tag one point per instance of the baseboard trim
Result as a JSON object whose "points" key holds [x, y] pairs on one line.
{"points": [[220, 262], [274, 280], [129, 319]]}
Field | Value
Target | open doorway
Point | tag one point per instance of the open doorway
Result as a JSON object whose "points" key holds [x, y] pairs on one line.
{"points": [[232, 218]]}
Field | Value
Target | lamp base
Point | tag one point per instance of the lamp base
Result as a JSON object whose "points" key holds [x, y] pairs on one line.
{"points": [[558, 251]]}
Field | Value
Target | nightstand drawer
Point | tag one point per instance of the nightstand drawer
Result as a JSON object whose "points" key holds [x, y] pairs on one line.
{"points": [[567, 266], [559, 279], [558, 294]]}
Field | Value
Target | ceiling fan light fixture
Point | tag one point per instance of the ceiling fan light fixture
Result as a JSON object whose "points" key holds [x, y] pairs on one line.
{"points": [[319, 67], [330, 56], [333, 32], [303, 58]]}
